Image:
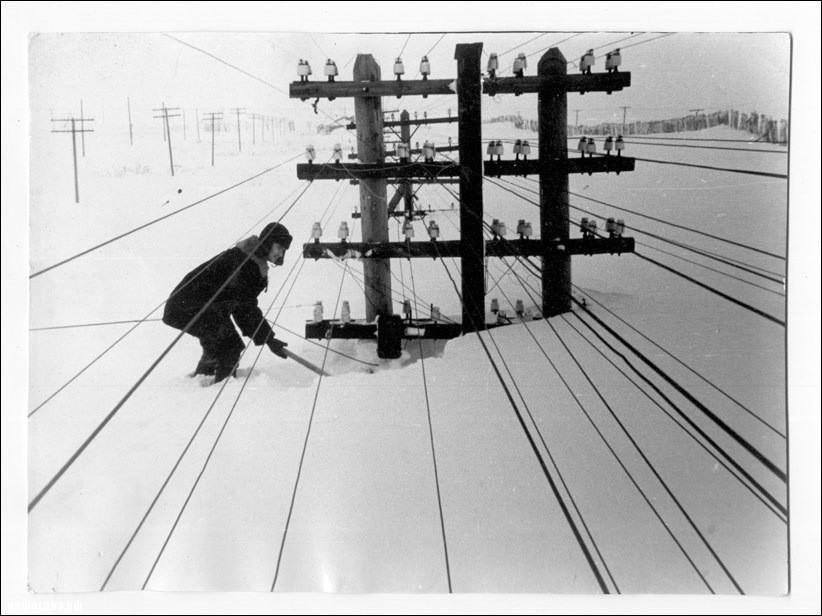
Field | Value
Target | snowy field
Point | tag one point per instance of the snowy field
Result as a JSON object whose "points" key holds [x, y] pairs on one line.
{"points": [[365, 517]]}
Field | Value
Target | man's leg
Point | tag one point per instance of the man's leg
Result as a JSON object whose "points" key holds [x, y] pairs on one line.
{"points": [[228, 346]]}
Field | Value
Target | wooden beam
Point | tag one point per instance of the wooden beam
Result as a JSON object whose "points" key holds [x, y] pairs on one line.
{"points": [[453, 248], [416, 181], [417, 328], [346, 171], [358, 89], [595, 82], [392, 123], [600, 164]]}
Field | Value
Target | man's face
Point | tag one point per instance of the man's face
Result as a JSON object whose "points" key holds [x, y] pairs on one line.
{"points": [[276, 254]]}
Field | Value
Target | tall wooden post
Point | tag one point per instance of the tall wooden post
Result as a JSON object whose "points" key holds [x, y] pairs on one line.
{"points": [[212, 139], [130, 129], [168, 131], [370, 149], [405, 135], [469, 92], [82, 134], [197, 122], [74, 155], [553, 184]]}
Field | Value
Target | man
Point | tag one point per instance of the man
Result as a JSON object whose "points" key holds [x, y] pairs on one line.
{"points": [[244, 272]]}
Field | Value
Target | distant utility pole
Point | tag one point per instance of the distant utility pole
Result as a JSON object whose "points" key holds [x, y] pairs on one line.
{"points": [[74, 122], [238, 111], [197, 121], [625, 109], [212, 116], [576, 119], [165, 115], [82, 134], [185, 138], [254, 128], [130, 126]]}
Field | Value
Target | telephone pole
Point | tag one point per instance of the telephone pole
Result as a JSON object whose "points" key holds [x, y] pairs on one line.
{"points": [[164, 116], [82, 134], [625, 109], [130, 126], [238, 111], [212, 117], [73, 123]]}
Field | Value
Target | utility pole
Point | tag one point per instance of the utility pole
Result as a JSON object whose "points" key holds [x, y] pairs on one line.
{"points": [[185, 138], [370, 149], [625, 109], [472, 261], [82, 134], [253, 128], [213, 116], [73, 123], [576, 121], [197, 122], [164, 116], [553, 183], [405, 136], [238, 111], [130, 128]]}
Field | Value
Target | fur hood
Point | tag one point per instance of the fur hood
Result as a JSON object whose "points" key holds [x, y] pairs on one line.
{"points": [[249, 245]]}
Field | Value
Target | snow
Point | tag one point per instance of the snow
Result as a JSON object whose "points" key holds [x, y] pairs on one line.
{"points": [[365, 517]]}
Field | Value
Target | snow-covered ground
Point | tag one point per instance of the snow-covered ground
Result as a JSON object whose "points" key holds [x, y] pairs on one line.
{"points": [[365, 517]]}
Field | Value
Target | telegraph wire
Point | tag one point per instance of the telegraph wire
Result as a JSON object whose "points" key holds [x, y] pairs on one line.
{"points": [[152, 311], [703, 147], [720, 423], [219, 393], [545, 444], [586, 552], [305, 445], [158, 219], [619, 461], [685, 365], [691, 279], [646, 460], [433, 449], [774, 506], [137, 384]]}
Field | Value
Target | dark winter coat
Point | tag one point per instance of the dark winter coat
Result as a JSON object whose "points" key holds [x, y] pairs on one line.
{"points": [[247, 275]]}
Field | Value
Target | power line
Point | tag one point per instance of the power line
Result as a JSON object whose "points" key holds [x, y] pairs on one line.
{"points": [[234, 66], [720, 423], [542, 438], [683, 364], [768, 174], [713, 290], [704, 147], [646, 460], [554, 489], [703, 139], [139, 382], [160, 218], [433, 450], [305, 445], [705, 253], [146, 317], [680, 226], [772, 503], [183, 453]]}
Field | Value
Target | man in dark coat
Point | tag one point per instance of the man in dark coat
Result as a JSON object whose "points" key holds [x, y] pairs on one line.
{"points": [[228, 286]]}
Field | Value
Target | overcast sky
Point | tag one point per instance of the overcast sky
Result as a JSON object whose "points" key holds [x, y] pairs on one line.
{"points": [[670, 75]]}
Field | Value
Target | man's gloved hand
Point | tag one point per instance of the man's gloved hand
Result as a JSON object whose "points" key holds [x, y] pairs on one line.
{"points": [[277, 346]]}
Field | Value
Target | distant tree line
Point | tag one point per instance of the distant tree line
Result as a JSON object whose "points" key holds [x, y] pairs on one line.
{"points": [[766, 128]]}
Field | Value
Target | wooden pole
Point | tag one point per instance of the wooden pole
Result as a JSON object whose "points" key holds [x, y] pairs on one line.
{"points": [[82, 132], [168, 131], [469, 93], [74, 155], [185, 138], [253, 129], [197, 118], [553, 184], [239, 137], [130, 129], [212, 139], [405, 135], [370, 149]]}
